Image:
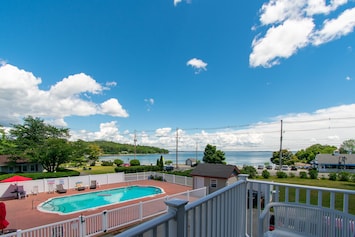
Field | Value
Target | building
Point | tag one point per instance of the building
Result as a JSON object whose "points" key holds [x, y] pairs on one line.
{"points": [[191, 162], [20, 166], [213, 176], [335, 162]]}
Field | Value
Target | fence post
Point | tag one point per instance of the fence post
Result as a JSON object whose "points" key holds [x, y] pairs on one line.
{"points": [[82, 226], [141, 211], [104, 221], [177, 206]]}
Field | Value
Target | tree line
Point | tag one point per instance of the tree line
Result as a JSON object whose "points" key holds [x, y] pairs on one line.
{"points": [[38, 142]]}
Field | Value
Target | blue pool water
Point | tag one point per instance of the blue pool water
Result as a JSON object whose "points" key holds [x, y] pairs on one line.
{"points": [[92, 200]]}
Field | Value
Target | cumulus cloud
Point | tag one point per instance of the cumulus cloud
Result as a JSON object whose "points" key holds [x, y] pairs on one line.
{"points": [[335, 28], [21, 96], [290, 36], [292, 25], [327, 126], [197, 64], [114, 108]]}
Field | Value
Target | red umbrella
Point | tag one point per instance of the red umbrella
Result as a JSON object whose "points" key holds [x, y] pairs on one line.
{"points": [[3, 222], [16, 178]]}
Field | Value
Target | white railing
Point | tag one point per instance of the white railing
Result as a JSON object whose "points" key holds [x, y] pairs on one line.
{"points": [[226, 212], [221, 213]]}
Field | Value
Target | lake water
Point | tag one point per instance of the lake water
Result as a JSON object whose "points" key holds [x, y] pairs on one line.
{"points": [[238, 158]]}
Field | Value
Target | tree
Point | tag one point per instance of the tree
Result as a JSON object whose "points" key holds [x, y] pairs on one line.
{"points": [[56, 151], [94, 153], [212, 155], [6, 145], [42, 143], [135, 162], [287, 157], [309, 154], [347, 146], [80, 152]]}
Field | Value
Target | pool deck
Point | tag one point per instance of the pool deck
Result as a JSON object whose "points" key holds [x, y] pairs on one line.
{"points": [[23, 213]]}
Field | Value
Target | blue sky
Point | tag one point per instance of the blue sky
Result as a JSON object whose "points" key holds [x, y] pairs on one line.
{"points": [[219, 72]]}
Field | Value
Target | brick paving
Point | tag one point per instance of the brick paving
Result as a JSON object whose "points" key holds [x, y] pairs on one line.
{"points": [[23, 213]]}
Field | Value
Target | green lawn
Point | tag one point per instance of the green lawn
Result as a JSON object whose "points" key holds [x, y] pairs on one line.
{"points": [[314, 194], [95, 170]]}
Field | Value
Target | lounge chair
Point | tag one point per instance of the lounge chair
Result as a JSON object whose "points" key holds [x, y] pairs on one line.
{"points": [[79, 186], [61, 189], [93, 184]]}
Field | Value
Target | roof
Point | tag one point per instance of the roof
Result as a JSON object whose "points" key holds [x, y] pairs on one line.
{"points": [[4, 159], [334, 159], [215, 170]]}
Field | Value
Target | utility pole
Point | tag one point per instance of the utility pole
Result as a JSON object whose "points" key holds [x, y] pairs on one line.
{"points": [[281, 146], [135, 144], [177, 146], [196, 151]]}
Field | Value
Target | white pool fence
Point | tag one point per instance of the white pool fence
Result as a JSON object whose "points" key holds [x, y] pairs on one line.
{"points": [[113, 219]]}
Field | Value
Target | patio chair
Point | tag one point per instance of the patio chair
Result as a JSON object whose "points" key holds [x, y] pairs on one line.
{"points": [[79, 186], [34, 190], [93, 184], [61, 189], [21, 192]]}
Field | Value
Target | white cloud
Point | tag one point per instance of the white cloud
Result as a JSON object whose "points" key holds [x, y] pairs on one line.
{"points": [[276, 11], [328, 126], [348, 78], [20, 96], [320, 7], [280, 18], [290, 36], [197, 64], [149, 103], [176, 2], [114, 108], [335, 28]]}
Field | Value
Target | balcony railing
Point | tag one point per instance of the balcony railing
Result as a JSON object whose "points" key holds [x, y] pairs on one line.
{"points": [[235, 210]]}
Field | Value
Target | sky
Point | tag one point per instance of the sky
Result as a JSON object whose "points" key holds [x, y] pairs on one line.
{"points": [[181, 74]]}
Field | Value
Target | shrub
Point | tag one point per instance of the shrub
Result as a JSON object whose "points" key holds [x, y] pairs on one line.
{"points": [[313, 173], [344, 176], [292, 175], [250, 170], [106, 163], [281, 174], [265, 174], [135, 162], [118, 162], [135, 169], [333, 176], [303, 175], [352, 177]]}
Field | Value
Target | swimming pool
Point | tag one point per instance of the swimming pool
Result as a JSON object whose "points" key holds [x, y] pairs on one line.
{"points": [[92, 200]]}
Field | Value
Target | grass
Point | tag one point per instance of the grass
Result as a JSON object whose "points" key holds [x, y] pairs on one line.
{"points": [[314, 194], [95, 170]]}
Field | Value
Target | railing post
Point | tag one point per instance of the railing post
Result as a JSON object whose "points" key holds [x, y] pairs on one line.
{"points": [[244, 225], [82, 226], [104, 221], [18, 233], [140, 211], [177, 206]]}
